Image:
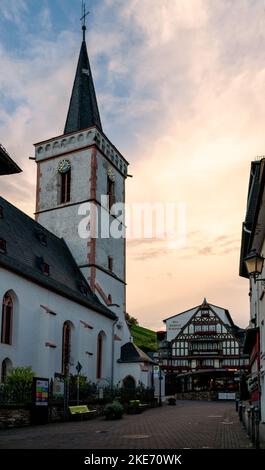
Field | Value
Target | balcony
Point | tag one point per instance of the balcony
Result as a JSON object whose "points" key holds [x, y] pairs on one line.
{"points": [[204, 333]]}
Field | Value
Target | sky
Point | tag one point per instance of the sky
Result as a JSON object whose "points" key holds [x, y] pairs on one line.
{"points": [[180, 87]]}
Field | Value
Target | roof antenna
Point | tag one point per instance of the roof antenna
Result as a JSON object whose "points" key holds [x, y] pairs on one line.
{"points": [[83, 19]]}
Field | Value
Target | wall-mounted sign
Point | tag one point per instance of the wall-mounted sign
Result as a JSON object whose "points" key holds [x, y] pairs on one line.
{"points": [[58, 387]]}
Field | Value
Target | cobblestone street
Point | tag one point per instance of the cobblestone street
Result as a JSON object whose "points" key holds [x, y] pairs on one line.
{"points": [[189, 424]]}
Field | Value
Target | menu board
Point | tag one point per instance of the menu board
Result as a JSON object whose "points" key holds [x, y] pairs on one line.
{"points": [[41, 392]]}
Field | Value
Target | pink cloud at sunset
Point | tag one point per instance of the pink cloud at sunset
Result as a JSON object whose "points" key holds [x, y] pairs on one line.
{"points": [[180, 86]]}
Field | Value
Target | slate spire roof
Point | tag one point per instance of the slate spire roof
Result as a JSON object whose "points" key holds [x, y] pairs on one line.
{"points": [[83, 109]]}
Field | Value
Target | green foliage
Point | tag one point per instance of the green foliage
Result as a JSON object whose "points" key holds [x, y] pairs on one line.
{"points": [[17, 388], [130, 320], [140, 393], [171, 401], [87, 390], [113, 410], [135, 402], [143, 338], [20, 377]]}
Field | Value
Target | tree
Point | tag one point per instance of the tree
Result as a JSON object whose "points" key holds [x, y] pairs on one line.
{"points": [[131, 320]]}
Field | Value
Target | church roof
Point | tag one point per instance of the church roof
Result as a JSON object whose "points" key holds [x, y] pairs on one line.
{"points": [[83, 109], [38, 255], [7, 165], [131, 353]]}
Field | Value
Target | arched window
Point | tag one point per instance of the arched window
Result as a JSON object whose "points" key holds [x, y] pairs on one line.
{"points": [[100, 354], [7, 319], [5, 369], [66, 346], [111, 191], [66, 186]]}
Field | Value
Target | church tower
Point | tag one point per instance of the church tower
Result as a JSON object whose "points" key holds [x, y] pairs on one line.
{"points": [[80, 166]]}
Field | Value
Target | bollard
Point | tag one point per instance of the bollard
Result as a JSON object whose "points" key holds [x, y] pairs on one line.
{"points": [[240, 410], [244, 415], [257, 420], [237, 403], [249, 422], [252, 409]]}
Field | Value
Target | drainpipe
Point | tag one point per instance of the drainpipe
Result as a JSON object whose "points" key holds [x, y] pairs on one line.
{"points": [[113, 352]]}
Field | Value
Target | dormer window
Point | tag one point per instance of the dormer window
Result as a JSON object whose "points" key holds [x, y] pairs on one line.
{"points": [[2, 246], [110, 263], [42, 238], [44, 267], [83, 287]]}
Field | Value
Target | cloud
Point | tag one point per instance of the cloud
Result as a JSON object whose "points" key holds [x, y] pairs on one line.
{"points": [[13, 10], [180, 87]]}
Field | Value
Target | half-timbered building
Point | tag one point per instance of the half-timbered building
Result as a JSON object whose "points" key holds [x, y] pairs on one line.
{"points": [[204, 350]]}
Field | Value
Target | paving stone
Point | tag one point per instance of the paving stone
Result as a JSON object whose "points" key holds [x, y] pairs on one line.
{"points": [[189, 424]]}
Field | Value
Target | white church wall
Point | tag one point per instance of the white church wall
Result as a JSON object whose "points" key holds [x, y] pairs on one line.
{"points": [[135, 371], [33, 328]]}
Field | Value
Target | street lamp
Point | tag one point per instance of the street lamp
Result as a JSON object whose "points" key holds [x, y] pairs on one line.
{"points": [[254, 264]]}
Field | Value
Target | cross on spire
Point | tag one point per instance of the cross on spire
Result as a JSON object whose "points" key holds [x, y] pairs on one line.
{"points": [[83, 19]]}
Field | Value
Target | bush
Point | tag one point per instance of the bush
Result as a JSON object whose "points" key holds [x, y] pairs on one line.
{"points": [[113, 410], [17, 388], [87, 390], [134, 407], [171, 401]]}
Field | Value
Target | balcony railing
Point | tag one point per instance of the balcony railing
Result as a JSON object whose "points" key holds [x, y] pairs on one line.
{"points": [[208, 332]]}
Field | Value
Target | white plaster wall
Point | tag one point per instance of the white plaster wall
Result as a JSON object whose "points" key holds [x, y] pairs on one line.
{"points": [[33, 328], [64, 223], [176, 323], [49, 196], [135, 371]]}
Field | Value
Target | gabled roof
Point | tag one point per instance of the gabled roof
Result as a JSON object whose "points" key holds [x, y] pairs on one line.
{"points": [[247, 226], [29, 246], [7, 165], [198, 307], [131, 353], [83, 109]]}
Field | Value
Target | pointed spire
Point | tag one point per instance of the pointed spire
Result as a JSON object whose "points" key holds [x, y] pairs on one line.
{"points": [[83, 109], [204, 303]]}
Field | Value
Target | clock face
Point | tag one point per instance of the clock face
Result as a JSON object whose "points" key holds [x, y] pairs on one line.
{"points": [[64, 166], [111, 174]]}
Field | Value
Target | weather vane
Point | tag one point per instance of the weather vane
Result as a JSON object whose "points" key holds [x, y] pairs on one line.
{"points": [[83, 19]]}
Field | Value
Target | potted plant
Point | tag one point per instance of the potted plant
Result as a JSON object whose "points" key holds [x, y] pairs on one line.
{"points": [[171, 401], [134, 407], [113, 410]]}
